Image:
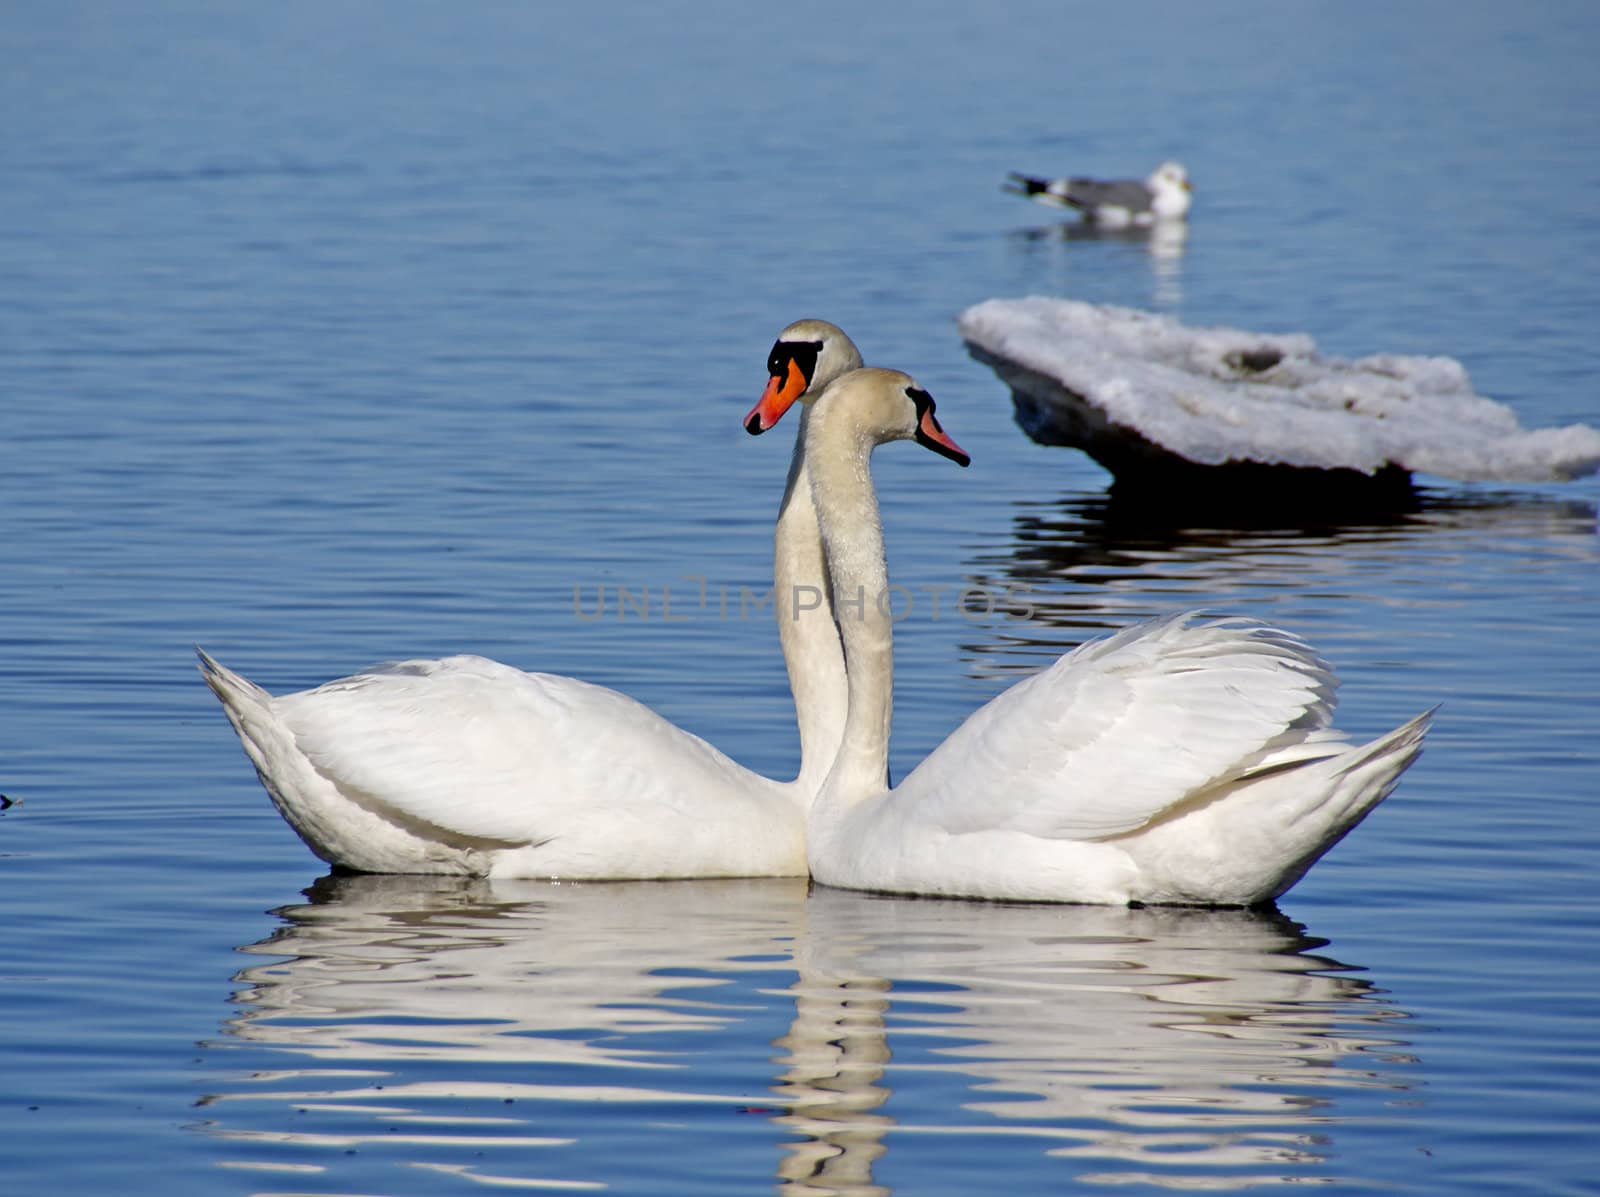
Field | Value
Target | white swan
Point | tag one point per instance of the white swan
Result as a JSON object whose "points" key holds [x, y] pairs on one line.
{"points": [[464, 765], [1181, 761]]}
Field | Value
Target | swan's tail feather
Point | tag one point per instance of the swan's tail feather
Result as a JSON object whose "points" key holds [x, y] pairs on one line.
{"points": [[300, 796], [1262, 832], [1367, 775], [1359, 780], [229, 687], [249, 708]]}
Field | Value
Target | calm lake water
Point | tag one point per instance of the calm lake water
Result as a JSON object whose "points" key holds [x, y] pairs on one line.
{"points": [[335, 333]]}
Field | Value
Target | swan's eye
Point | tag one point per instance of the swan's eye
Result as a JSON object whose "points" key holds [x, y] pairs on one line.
{"points": [[922, 399], [804, 354]]}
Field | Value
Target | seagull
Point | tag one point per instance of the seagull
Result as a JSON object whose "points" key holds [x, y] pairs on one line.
{"points": [[1115, 203]]}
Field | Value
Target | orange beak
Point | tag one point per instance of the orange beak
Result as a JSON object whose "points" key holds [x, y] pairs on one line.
{"points": [[929, 433], [779, 396]]}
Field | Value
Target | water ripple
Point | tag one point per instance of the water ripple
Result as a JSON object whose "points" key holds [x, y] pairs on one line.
{"points": [[445, 1021]]}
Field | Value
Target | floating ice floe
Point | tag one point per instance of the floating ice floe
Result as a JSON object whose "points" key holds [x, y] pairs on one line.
{"points": [[1144, 395]]}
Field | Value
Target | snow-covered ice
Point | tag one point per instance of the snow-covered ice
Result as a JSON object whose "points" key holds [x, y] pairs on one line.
{"points": [[1137, 390]]}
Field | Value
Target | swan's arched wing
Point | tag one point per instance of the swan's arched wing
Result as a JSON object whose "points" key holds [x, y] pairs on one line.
{"points": [[484, 751], [1121, 729]]}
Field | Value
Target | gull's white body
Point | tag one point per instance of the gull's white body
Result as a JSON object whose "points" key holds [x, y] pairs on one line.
{"points": [[1182, 761], [464, 765]]}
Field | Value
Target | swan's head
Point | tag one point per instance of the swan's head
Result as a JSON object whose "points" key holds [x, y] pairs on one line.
{"points": [[805, 359], [877, 406]]}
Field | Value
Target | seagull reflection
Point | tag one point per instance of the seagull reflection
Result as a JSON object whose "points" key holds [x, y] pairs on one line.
{"points": [[517, 1033], [1164, 243]]}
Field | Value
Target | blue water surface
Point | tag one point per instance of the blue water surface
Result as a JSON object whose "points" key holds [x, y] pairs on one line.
{"points": [[340, 332]]}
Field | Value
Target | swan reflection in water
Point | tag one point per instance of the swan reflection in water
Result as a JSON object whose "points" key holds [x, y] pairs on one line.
{"points": [[524, 1033], [1113, 1035]]}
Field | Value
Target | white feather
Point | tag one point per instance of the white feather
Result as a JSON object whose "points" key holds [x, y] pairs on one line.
{"points": [[1182, 761]]}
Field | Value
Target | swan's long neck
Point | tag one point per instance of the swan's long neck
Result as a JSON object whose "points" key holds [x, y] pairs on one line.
{"points": [[802, 603], [852, 542]]}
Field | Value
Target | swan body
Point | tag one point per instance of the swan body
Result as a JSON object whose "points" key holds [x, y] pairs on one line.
{"points": [[1186, 761], [464, 765], [467, 766], [1117, 203]]}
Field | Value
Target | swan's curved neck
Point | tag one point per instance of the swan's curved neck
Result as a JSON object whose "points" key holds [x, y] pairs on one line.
{"points": [[802, 603], [852, 543]]}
